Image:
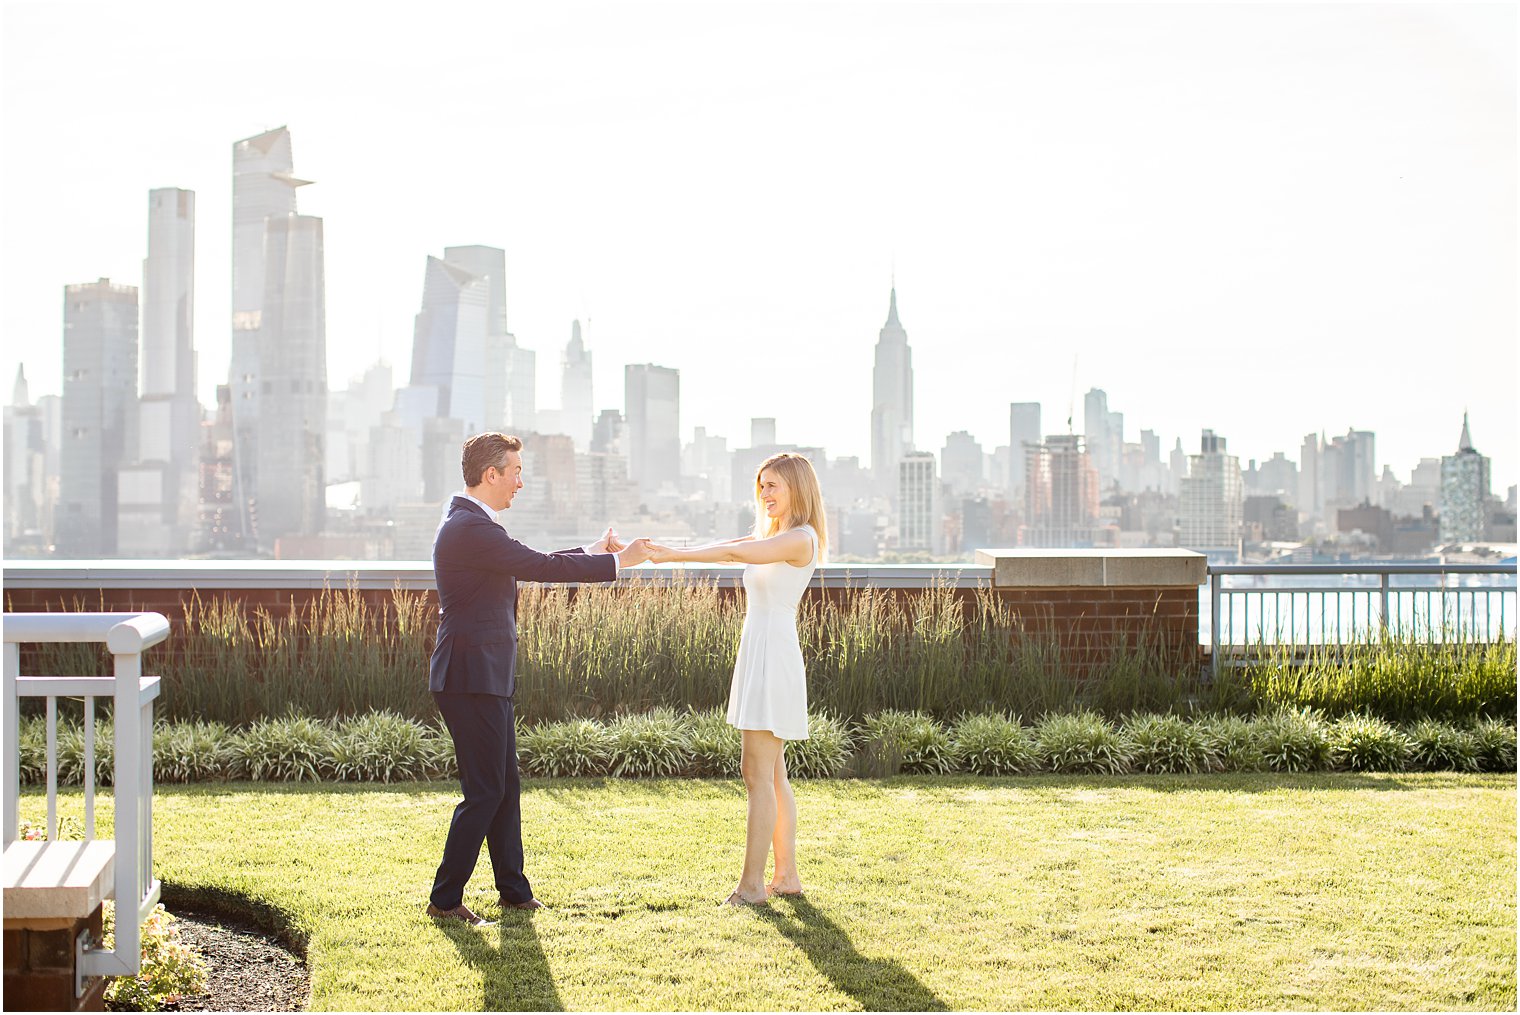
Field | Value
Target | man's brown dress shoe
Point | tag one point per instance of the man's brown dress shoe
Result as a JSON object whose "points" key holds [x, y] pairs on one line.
{"points": [[459, 912], [530, 904]]}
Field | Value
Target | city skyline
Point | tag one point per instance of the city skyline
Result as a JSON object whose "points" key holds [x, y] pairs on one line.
{"points": [[1423, 90]]}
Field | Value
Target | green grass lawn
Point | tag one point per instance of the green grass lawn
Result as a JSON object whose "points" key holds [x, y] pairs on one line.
{"points": [[1190, 892]]}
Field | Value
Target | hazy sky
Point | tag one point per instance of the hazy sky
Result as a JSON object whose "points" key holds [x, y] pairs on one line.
{"points": [[1265, 219]]}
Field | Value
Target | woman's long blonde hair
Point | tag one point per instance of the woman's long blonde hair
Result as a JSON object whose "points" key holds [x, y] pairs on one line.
{"points": [[806, 499]]}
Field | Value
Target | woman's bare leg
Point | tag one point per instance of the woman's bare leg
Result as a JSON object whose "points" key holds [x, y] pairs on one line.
{"points": [[758, 765], [784, 840]]}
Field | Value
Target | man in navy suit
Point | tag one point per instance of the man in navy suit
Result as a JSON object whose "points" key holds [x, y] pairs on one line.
{"points": [[472, 673]]}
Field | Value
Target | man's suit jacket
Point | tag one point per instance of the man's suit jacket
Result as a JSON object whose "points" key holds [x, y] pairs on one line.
{"points": [[478, 566]]}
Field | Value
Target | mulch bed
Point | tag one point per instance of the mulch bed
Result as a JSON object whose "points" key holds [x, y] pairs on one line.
{"points": [[246, 969]]}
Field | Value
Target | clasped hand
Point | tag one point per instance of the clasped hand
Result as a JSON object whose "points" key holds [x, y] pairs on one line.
{"points": [[634, 553]]}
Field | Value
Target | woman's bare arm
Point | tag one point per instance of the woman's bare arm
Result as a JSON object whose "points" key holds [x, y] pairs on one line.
{"points": [[794, 547]]}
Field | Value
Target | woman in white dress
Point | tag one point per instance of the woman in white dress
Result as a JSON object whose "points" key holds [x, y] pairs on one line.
{"points": [[767, 700]]}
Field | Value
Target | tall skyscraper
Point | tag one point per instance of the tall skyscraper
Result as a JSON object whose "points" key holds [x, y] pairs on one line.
{"points": [[521, 412], [293, 383], [891, 401], [963, 461], [25, 460], [577, 412], [263, 190], [1023, 432], [1311, 499], [1465, 483], [652, 399], [1105, 436], [449, 342], [919, 519], [1211, 513], [159, 489], [610, 434], [219, 528], [99, 413], [489, 264], [1177, 468], [1060, 494]]}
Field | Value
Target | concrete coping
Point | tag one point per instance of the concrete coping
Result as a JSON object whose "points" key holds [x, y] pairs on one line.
{"points": [[57, 880], [1025, 568]]}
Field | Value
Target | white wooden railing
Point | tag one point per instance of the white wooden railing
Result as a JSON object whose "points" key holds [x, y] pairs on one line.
{"points": [[126, 635]]}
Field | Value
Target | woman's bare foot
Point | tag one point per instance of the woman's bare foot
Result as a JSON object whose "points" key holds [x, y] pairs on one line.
{"points": [[784, 886], [738, 898]]}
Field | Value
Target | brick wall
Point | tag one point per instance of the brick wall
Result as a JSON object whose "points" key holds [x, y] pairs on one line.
{"points": [[1090, 622], [39, 966]]}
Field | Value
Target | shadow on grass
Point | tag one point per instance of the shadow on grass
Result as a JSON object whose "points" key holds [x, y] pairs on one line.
{"points": [[514, 973], [875, 984]]}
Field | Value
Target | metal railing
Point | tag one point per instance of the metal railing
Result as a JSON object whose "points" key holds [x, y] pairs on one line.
{"points": [[1258, 607], [126, 635]]}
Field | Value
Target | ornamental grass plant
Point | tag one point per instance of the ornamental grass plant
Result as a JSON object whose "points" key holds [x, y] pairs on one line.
{"points": [[191, 751], [1168, 744], [1400, 676], [1295, 741], [716, 747], [824, 753], [562, 749], [1436, 746], [655, 744], [1234, 741], [1082, 742], [993, 744], [1364, 743], [919, 743], [1494, 739], [385, 747]]}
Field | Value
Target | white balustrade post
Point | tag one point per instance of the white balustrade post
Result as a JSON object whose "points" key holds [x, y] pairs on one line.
{"points": [[12, 760], [128, 720]]}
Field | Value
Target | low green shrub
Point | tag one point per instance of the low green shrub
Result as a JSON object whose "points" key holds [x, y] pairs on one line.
{"points": [[1168, 744], [1234, 742], [191, 751], [379, 747], [655, 744], [170, 967], [558, 750], [1436, 746], [1294, 741], [715, 746], [1364, 743], [824, 753], [1083, 742], [1494, 742], [292, 749], [993, 744], [919, 742]]}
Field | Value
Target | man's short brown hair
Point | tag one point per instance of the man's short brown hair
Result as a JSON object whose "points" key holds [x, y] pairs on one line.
{"points": [[484, 451]]}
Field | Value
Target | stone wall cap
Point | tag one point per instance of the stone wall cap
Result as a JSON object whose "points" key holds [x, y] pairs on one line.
{"points": [[1090, 568], [49, 880]]}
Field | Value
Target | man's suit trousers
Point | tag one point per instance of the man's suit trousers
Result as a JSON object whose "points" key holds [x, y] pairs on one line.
{"points": [[485, 744]]}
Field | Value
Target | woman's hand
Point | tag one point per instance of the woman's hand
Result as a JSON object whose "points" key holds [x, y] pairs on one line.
{"points": [[659, 554]]}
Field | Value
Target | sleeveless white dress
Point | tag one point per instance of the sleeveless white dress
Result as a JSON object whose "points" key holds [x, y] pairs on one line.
{"points": [[769, 689]]}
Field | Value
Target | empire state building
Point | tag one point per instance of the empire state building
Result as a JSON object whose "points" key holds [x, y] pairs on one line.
{"points": [[891, 401]]}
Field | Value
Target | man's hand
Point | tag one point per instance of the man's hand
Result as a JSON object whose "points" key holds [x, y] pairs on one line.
{"points": [[609, 543], [634, 554]]}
